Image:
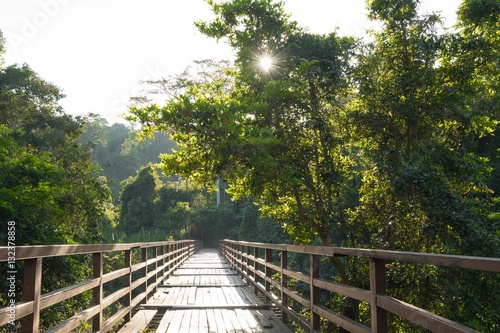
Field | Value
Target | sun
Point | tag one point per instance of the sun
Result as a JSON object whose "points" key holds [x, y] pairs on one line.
{"points": [[265, 63]]}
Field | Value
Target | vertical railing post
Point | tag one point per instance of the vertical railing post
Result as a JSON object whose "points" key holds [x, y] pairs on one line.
{"points": [[239, 267], [255, 269], [242, 261], [144, 259], [32, 288], [170, 257], [97, 266], [161, 273], [268, 259], [127, 300], [178, 256], [173, 258], [235, 255], [155, 267], [314, 291], [378, 286], [175, 255], [284, 284], [242, 251], [248, 261]]}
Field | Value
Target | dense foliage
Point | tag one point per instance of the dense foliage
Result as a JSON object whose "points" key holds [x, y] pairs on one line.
{"points": [[381, 144], [50, 191], [49, 186]]}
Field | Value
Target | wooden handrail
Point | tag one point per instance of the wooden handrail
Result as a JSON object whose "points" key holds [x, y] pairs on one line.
{"points": [[244, 258], [160, 259], [156, 266]]}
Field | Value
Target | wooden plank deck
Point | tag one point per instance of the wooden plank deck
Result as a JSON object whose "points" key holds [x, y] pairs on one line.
{"points": [[206, 295]]}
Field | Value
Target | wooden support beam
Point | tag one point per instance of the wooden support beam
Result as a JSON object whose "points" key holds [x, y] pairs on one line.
{"points": [[268, 258], [378, 286], [314, 291], [97, 267], [32, 286], [256, 268], [207, 306], [155, 266], [202, 285], [284, 285], [128, 283], [144, 259]]}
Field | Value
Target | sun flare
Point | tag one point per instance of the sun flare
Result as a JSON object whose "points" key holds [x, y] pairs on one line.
{"points": [[265, 63]]}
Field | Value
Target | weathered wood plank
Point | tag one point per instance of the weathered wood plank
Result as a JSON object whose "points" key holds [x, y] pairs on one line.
{"points": [[186, 321], [165, 322], [220, 321], [139, 321], [212, 322], [194, 322], [203, 327], [244, 320], [192, 291]]}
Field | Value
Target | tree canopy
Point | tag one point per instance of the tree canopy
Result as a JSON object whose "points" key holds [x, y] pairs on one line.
{"points": [[378, 143], [50, 187], [337, 124]]}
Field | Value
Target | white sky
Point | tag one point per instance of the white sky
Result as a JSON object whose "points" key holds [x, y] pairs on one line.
{"points": [[97, 51]]}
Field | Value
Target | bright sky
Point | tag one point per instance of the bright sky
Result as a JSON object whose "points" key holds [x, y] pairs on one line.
{"points": [[97, 51]]}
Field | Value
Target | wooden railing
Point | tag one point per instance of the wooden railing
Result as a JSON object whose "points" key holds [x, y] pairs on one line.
{"points": [[156, 261], [253, 261]]}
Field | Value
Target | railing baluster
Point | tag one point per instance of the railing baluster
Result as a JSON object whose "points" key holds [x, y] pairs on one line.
{"points": [[255, 269], [284, 284], [127, 299], [268, 259], [248, 261], [176, 256], [377, 287], [242, 255], [314, 291], [97, 267], [234, 248], [32, 286], [161, 262], [155, 267], [144, 259], [170, 258]]}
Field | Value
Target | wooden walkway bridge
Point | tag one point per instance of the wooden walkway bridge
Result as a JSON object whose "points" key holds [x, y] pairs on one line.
{"points": [[205, 295], [180, 287]]}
